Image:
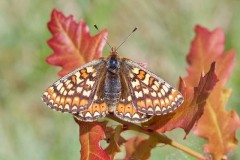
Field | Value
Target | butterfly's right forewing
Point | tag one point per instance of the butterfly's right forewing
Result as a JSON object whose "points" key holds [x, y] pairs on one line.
{"points": [[75, 92]]}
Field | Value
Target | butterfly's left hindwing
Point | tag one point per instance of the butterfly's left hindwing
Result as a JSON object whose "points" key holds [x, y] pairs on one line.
{"points": [[150, 94], [125, 109], [74, 92]]}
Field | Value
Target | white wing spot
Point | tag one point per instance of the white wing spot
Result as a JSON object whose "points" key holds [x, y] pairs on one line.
{"points": [[88, 114], [67, 82], [59, 86], [66, 107], [74, 108], [78, 78], [168, 85], [79, 89], [138, 94], [90, 82], [157, 109], [45, 93], [65, 93], [155, 87], [61, 90], [128, 115], [176, 99], [163, 92], [157, 84], [95, 97], [153, 94], [136, 116], [136, 83], [96, 114], [131, 75], [173, 103], [90, 69], [146, 79], [150, 109], [51, 101], [165, 88], [71, 92], [86, 93], [94, 74], [69, 86], [179, 96], [135, 70], [145, 91]]}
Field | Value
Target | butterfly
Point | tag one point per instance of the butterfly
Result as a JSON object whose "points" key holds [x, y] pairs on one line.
{"points": [[112, 85]]}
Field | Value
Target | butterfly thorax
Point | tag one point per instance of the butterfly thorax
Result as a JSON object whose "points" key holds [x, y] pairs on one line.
{"points": [[112, 83]]}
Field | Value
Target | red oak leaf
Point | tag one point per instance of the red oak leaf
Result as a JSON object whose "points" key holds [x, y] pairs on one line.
{"points": [[216, 125], [90, 136], [139, 148], [71, 42], [73, 46], [192, 108]]}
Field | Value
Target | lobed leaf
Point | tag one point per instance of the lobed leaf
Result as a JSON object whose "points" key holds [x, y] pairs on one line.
{"points": [[72, 43], [139, 148], [192, 108], [216, 124], [90, 136], [73, 46]]}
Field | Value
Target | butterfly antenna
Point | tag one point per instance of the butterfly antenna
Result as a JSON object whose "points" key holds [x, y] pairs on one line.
{"points": [[95, 26], [127, 37]]}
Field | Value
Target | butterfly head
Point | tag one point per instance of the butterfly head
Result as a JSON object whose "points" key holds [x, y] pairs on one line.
{"points": [[113, 52], [113, 63]]}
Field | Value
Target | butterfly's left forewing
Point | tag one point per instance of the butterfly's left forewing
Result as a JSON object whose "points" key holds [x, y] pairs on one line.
{"points": [[150, 94], [75, 92]]}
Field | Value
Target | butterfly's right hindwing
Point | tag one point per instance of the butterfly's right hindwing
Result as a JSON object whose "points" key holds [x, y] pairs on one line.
{"points": [[75, 92]]}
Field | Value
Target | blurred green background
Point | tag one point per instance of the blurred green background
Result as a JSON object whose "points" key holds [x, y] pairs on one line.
{"points": [[30, 130]]}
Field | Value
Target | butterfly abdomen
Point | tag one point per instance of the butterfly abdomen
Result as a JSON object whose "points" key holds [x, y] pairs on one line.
{"points": [[112, 84], [112, 90]]}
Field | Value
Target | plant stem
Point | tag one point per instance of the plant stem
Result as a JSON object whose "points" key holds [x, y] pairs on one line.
{"points": [[161, 138]]}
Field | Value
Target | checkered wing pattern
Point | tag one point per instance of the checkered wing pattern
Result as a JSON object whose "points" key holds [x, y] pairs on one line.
{"points": [[125, 109], [75, 92], [127, 112], [97, 110], [150, 94]]}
